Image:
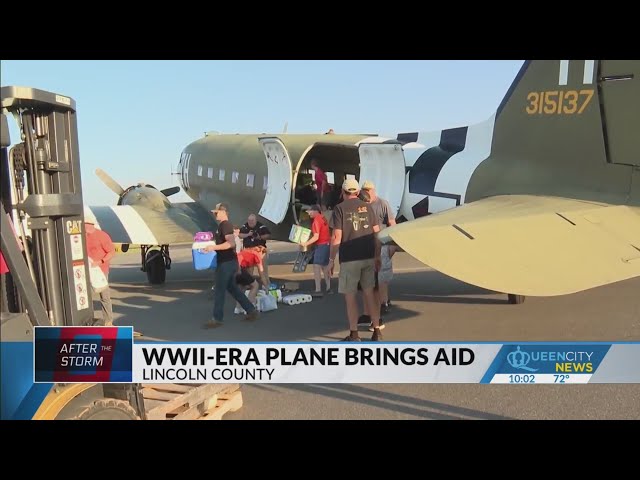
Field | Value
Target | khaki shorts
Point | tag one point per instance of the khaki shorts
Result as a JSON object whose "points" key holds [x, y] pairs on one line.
{"points": [[357, 271]]}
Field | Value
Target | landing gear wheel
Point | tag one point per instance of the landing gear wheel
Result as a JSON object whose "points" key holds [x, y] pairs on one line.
{"points": [[124, 247], [155, 267], [108, 409], [516, 299]]}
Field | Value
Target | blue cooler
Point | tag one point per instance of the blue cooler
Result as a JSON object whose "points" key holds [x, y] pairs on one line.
{"points": [[204, 260]]}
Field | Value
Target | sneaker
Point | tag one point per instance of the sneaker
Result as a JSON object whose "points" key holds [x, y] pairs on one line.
{"points": [[349, 338], [253, 315], [384, 308], [381, 325], [212, 324], [330, 291], [239, 311], [377, 336], [364, 320]]}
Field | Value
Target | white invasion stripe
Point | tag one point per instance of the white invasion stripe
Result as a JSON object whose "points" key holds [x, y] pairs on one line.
{"points": [[533, 378], [588, 71], [456, 173], [564, 72], [135, 226], [430, 139], [374, 140], [413, 145]]}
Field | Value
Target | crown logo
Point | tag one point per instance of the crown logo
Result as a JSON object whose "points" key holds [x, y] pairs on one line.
{"points": [[520, 360]]}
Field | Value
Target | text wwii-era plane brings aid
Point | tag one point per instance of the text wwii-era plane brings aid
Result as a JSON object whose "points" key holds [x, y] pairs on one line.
{"points": [[546, 191]]}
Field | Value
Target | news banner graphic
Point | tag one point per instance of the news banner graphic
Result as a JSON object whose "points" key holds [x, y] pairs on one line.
{"points": [[83, 354], [521, 363], [108, 354]]}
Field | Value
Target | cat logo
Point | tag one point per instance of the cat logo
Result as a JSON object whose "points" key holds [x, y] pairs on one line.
{"points": [[74, 227]]}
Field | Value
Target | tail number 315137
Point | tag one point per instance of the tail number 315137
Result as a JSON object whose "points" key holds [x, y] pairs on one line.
{"points": [[558, 102]]}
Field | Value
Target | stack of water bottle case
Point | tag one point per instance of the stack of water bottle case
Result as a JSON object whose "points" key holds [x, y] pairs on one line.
{"points": [[264, 301]]}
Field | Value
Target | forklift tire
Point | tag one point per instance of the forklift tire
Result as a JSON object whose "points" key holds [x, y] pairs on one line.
{"points": [[156, 270], [108, 409], [516, 299]]}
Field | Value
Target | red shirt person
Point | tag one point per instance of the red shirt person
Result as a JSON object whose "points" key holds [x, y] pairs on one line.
{"points": [[321, 182], [252, 257], [4, 268], [100, 251], [248, 258], [321, 237]]}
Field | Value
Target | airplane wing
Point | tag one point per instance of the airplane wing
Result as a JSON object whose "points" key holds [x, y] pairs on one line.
{"points": [[527, 245], [141, 225]]}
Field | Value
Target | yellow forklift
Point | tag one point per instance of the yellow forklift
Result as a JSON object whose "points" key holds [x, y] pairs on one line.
{"points": [[41, 193]]}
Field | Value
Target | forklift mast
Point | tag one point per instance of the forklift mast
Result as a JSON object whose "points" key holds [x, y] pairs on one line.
{"points": [[41, 189], [48, 283]]}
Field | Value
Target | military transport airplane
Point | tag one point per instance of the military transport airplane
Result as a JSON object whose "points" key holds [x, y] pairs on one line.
{"points": [[541, 199]]}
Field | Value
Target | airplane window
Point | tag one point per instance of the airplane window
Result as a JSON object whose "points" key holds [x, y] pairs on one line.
{"points": [[330, 177], [265, 182], [349, 175], [250, 179], [199, 170], [235, 176], [221, 175], [210, 172]]}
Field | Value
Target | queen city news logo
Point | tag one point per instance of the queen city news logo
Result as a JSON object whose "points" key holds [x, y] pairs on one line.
{"points": [[541, 358]]}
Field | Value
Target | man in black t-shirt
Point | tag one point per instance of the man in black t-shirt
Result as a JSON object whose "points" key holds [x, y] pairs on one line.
{"points": [[255, 234], [227, 269], [355, 229]]}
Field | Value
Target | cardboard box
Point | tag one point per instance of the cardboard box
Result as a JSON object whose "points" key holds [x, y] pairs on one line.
{"points": [[299, 234]]}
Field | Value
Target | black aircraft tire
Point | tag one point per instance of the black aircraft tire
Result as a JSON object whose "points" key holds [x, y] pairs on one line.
{"points": [[108, 409], [516, 299], [124, 247], [156, 270]]}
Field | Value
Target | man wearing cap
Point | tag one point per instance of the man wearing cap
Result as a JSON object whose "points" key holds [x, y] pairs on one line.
{"points": [[386, 218], [100, 251], [255, 234], [227, 268], [355, 229], [321, 237]]}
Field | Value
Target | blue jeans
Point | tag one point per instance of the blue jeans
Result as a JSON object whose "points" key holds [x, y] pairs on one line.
{"points": [[226, 282]]}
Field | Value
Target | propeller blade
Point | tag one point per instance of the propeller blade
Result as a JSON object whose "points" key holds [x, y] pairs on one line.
{"points": [[170, 191], [109, 182]]}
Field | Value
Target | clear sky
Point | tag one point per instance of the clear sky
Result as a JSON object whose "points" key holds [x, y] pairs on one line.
{"points": [[136, 116]]}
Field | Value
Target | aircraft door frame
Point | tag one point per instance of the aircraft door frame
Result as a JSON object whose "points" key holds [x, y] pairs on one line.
{"points": [[384, 165], [278, 195]]}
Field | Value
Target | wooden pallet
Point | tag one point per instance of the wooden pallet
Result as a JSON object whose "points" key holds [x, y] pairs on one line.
{"points": [[181, 401]]}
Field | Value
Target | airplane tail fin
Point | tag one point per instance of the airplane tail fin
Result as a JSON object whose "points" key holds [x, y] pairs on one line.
{"points": [[565, 128]]}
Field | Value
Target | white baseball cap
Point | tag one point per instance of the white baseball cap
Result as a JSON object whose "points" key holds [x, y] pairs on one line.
{"points": [[89, 217]]}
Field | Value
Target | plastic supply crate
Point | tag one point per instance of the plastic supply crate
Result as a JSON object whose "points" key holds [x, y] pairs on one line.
{"points": [[203, 260]]}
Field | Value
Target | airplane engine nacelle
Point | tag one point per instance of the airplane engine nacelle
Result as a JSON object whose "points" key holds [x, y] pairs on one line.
{"points": [[144, 195]]}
